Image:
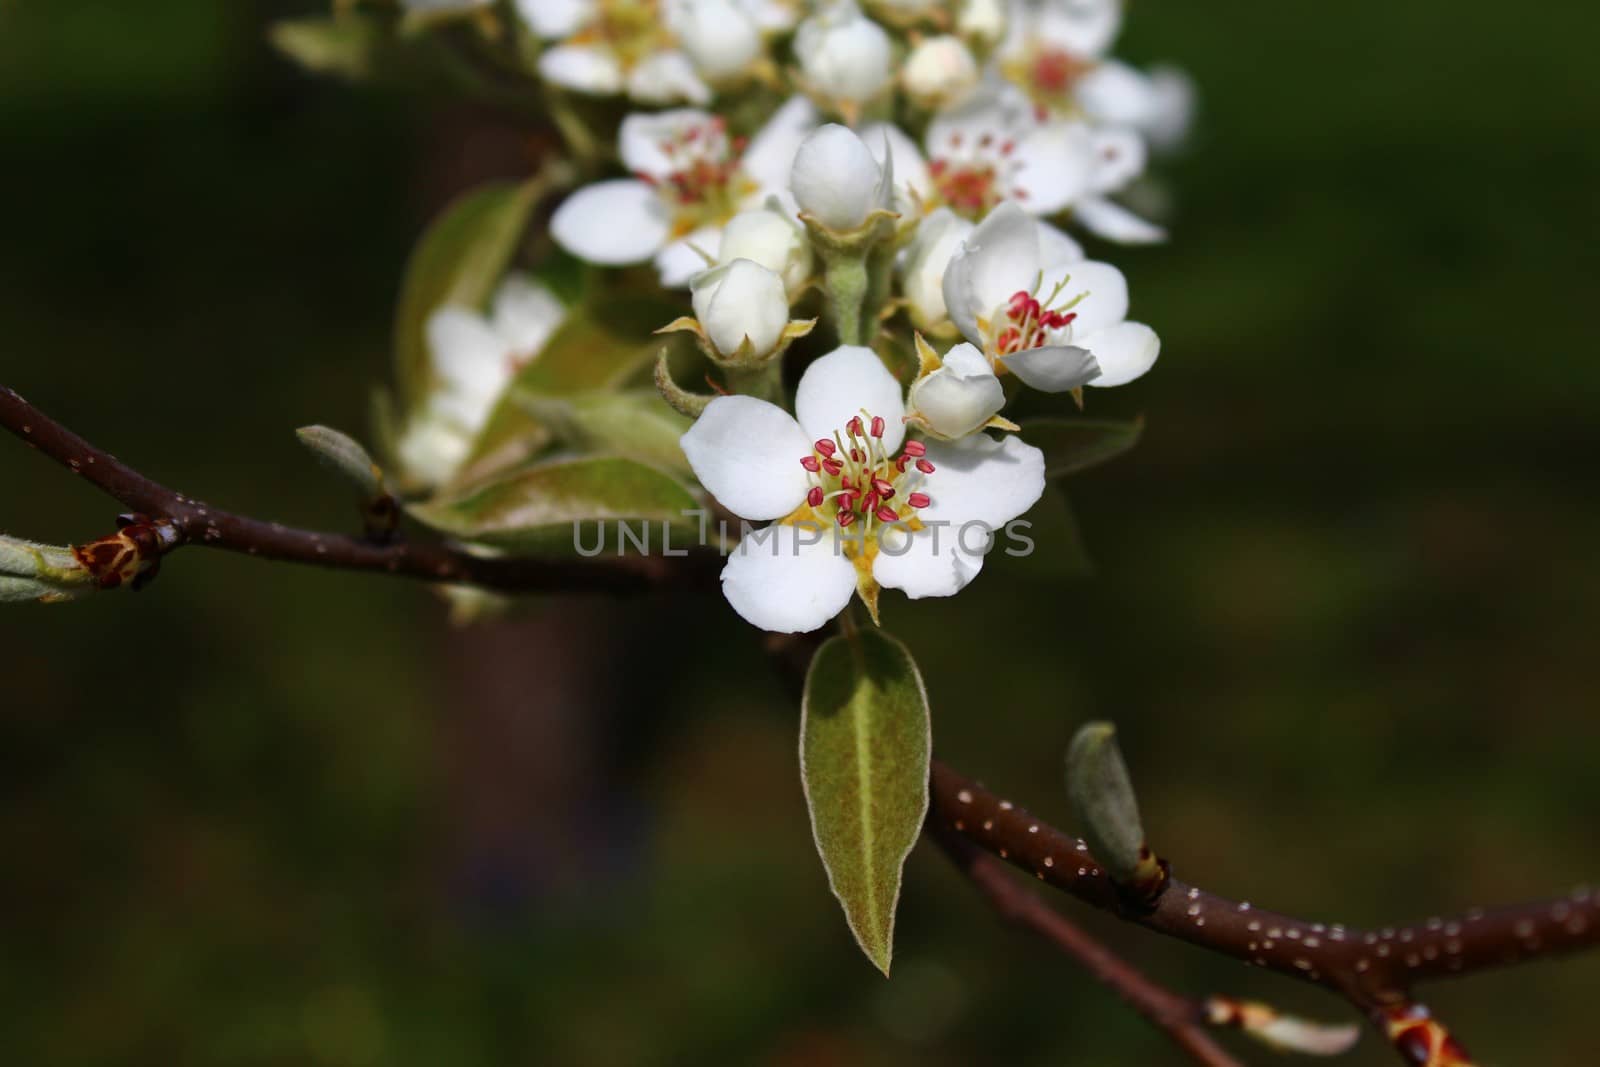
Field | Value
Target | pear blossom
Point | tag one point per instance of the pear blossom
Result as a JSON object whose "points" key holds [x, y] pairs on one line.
{"points": [[844, 57], [939, 72], [473, 358], [741, 306], [721, 37], [838, 181], [993, 148], [1056, 326], [923, 263], [1052, 45], [959, 397], [691, 179], [609, 47], [771, 236], [858, 507]]}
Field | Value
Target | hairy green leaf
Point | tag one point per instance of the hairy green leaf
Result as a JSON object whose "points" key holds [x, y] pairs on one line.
{"points": [[48, 574], [459, 260], [865, 743], [552, 508], [1075, 444], [1102, 795], [345, 456], [636, 424]]}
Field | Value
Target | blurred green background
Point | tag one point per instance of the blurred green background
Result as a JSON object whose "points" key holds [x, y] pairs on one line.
{"points": [[1345, 612]]}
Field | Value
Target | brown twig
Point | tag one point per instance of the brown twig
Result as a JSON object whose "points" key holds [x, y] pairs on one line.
{"points": [[1179, 1017], [194, 522]]}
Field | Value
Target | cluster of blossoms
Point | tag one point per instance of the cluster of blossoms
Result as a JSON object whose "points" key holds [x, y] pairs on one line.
{"points": [[900, 170]]}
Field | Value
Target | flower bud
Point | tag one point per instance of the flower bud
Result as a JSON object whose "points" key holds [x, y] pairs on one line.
{"points": [[959, 397], [836, 178], [982, 22], [939, 72], [768, 236], [719, 36], [923, 265], [742, 301], [843, 54]]}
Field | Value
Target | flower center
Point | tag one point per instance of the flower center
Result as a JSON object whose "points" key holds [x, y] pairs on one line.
{"points": [[1027, 323], [1050, 76], [854, 481], [631, 30], [971, 174], [705, 185]]}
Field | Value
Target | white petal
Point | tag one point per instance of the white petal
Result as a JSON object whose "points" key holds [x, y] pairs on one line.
{"points": [[960, 396], [1116, 94], [612, 223], [788, 579], [835, 389], [1124, 351], [1053, 369], [994, 113], [554, 19], [719, 36], [890, 144], [643, 137], [1105, 302], [843, 53], [923, 264], [1172, 108], [930, 562], [741, 302], [682, 259], [666, 78], [747, 454], [1056, 248], [584, 68], [982, 479], [1055, 164], [771, 237], [1000, 258], [1119, 157], [526, 313], [1082, 27], [769, 157], [1108, 219], [470, 358]]}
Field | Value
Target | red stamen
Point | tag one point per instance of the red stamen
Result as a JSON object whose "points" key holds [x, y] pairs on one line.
{"points": [[887, 514], [877, 426], [916, 449], [903, 462], [919, 500], [814, 498], [853, 427], [924, 466], [882, 488], [824, 446], [832, 466], [810, 463], [855, 455], [846, 518]]}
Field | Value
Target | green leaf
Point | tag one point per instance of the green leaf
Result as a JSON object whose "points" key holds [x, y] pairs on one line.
{"points": [[865, 743], [345, 456], [47, 574], [550, 508], [349, 45], [459, 260], [1073, 445], [603, 344], [638, 425], [1102, 795]]}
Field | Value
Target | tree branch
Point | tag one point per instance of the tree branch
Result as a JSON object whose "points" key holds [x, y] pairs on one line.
{"points": [[1180, 1018], [186, 521]]}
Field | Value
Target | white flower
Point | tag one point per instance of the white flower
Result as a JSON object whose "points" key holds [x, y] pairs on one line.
{"points": [[923, 263], [1055, 326], [844, 56], [939, 71], [837, 180], [691, 179], [721, 37], [613, 46], [855, 511], [960, 397], [473, 359], [770, 236], [1052, 45], [741, 304]]}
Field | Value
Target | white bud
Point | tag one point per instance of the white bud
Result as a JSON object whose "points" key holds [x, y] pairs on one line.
{"points": [[738, 302], [983, 22], [939, 72], [836, 178], [923, 264], [720, 37], [768, 236], [432, 448], [959, 397], [844, 54]]}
